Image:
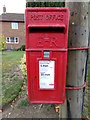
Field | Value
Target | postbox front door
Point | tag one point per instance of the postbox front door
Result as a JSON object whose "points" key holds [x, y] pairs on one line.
{"points": [[46, 54]]}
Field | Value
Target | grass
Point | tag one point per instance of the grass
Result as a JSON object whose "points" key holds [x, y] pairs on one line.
{"points": [[10, 60], [11, 91], [12, 82]]}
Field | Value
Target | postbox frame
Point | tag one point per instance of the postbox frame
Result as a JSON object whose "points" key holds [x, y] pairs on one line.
{"points": [[27, 25]]}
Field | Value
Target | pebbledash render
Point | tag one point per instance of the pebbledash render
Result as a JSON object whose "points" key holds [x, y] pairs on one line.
{"points": [[13, 29]]}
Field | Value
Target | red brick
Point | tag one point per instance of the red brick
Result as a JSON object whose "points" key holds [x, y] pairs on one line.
{"points": [[7, 31]]}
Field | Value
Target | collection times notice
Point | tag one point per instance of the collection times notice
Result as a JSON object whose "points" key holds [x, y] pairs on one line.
{"points": [[46, 74]]}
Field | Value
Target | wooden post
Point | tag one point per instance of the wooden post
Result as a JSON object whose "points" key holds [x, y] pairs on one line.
{"points": [[89, 20], [78, 37], [77, 60]]}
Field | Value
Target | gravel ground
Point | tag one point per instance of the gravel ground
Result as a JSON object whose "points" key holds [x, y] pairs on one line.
{"points": [[29, 111]]}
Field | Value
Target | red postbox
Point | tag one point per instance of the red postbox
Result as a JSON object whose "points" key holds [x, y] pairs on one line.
{"points": [[46, 54]]}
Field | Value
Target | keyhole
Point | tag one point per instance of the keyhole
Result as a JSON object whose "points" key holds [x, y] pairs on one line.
{"points": [[35, 77]]}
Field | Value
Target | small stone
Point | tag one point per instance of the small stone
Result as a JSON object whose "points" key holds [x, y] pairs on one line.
{"points": [[34, 107], [11, 106], [40, 106], [9, 113], [0, 110]]}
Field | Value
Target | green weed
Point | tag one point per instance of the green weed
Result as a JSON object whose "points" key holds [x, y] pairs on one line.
{"points": [[23, 103], [49, 107]]}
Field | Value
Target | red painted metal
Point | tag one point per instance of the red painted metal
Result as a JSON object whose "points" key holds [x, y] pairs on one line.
{"points": [[46, 30], [40, 49]]}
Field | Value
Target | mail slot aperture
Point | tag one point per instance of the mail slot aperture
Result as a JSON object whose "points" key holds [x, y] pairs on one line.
{"points": [[47, 29]]}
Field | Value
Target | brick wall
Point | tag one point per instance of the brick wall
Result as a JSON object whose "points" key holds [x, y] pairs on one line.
{"points": [[7, 31]]}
